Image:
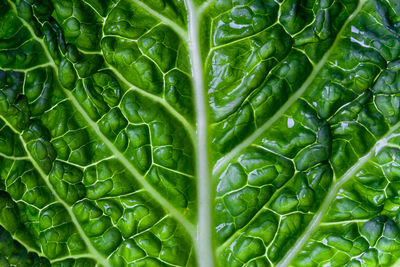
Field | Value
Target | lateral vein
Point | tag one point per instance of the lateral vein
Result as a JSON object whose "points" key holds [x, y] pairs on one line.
{"points": [[178, 29]]}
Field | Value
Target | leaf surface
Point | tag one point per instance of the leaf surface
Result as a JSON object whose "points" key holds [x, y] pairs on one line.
{"points": [[199, 133]]}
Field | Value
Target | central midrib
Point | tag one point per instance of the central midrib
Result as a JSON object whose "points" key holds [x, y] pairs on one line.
{"points": [[204, 241]]}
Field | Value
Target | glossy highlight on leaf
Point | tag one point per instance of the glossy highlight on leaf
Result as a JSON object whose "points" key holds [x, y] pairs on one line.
{"points": [[199, 133]]}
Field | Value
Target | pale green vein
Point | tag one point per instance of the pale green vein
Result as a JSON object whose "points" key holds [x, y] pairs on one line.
{"points": [[315, 222], [75, 257], [94, 9], [172, 170], [224, 161], [95, 254], [205, 242], [343, 222], [177, 28], [27, 69], [12, 157], [11, 127]]}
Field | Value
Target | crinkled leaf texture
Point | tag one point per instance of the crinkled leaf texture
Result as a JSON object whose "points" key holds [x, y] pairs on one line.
{"points": [[199, 133]]}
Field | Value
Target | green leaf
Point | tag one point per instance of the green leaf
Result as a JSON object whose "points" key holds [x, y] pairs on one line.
{"points": [[199, 133]]}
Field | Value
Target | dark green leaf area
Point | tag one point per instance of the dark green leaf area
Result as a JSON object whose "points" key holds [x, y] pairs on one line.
{"points": [[80, 24], [12, 253]]}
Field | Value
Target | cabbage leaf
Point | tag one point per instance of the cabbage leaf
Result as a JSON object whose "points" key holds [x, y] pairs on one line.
{"points": [[199, 133]]}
